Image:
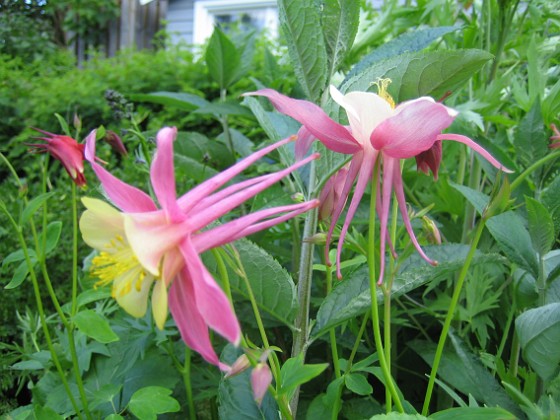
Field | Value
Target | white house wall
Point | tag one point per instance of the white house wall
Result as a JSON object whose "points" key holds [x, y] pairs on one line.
{"points": [[180, 20]]}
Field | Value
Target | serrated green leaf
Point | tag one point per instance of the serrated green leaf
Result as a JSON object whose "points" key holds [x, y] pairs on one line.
{"points": [[148, 402], [550, 198], [421, 73], [358, 384], [352, 296], [541, 227], [53, 235], [463, 370], [408, 42], [222, 59], [186, 101], [530, 139], [538, 330], [514, 240], [299, 20], [478, 199], [33, 206], [474, 413], [95, 326], [294, 373], [339, 19], [20, 274]]}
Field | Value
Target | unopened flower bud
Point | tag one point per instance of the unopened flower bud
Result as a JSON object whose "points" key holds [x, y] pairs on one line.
{"points": [[261, 378], [431, 230], [240, 365], [116, 143], [77, 122], [499, 198], [298, 197], [319, 238]]}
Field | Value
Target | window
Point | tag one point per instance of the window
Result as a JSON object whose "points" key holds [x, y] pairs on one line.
{"points": [[243, 14]]}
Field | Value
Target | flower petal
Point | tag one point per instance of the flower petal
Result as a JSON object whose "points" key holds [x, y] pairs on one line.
{"points": [[100, 223], [189, 320], [333, 135], [303, 143], [211, 301], [159, 304], [413, 129], [132, 296], [125, 197], [162, 174], [476, 147], [430, 159]]}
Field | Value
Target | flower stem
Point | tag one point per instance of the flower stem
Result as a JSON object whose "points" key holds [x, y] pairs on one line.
{"points": [[531, 168], [450, 314], [389, 384], [187, 380], [358, 339], [334, 350]]}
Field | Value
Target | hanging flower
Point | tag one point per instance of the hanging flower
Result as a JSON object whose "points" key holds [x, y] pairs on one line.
{"points": [[378, 132], [141, 245], [66, 150]]}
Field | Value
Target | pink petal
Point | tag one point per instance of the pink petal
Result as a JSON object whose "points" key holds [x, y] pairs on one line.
{"points": [[189, 320], [476, 147], [430, 159], [211, 301], [247, 225], [261, 378], [125, 197], [333, 135], [413, 129], [212, 213], [303, 143], [390, 166], [162, 174], [363, 179], [192, 198]]}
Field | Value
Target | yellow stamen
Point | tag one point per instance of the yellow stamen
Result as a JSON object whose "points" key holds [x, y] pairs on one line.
{"points": [[382, 85]]}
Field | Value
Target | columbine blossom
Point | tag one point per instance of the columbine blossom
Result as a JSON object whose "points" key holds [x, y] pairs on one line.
{"points": [[65, 149], [378, 132], [142, 246]]}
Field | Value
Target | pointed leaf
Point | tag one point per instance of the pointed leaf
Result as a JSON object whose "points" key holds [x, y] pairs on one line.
{"points": [[358, 384], [340, 19], [299, 20], [53, 235], [186, 101], [222, 59], [294, 373], [541, 227], [95, 326], [417, 74], [19, 276], [148, 402], [538, 330], [33, 206]]}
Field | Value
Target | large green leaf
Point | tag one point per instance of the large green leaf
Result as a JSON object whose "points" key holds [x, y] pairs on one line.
{"points": [[300, 20], [340, 19], [408, 42], [530, 139], [186, 101], [514, 240], [222, 59], [203, 150], [33, 206], [95, 326], [235, 396], [148, 402], [272, 285], [550, 198], [295, 373], [473, 413], [538, 330], [541, 227], [352, 296], [464, 371], [421, 73]]}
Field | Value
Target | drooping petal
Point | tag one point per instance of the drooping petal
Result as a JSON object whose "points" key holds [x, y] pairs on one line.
{"points": [[304, 140], [162, 174], [333, 135], [150, 237], [430, 159], [365, 110], [476, 147], [247, 225], [413, 129], [189, 320], [208, 215], [363, 179], [210, 299], [125, 197], [190, 199], [100, 223]]}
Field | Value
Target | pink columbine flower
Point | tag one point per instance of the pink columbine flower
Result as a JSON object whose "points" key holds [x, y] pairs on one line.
{"points": [[143, 245], [378, 131], [66, 150], [555, 139]]}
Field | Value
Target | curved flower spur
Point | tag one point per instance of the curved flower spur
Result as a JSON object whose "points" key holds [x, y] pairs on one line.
{"points": [[378, 131], [142, 244]]}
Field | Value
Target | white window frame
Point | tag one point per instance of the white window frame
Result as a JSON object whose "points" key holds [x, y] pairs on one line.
{"points": [[205, 10]]}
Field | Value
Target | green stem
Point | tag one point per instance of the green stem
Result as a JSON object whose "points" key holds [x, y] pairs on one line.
{"points": [[187, 380], [450, 314], [358, 340], [533, 167], [74, 251], [389, 384], [334, 349], [225, 125]]}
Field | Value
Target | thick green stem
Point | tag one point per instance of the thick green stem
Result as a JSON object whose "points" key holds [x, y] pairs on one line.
{"points": [[389, 384], [450, 314]]}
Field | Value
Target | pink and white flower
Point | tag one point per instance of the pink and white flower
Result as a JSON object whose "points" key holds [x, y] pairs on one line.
{"points": [[378, 132], [142, 245]]}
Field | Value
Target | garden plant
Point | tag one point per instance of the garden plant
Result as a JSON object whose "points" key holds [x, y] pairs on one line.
{"points": [[360, 220]]}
